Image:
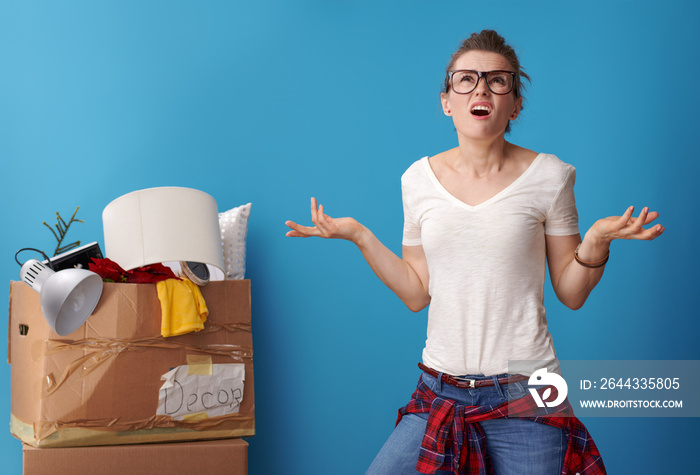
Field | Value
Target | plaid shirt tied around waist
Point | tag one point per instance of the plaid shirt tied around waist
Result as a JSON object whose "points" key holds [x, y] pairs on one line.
{"points": [[454, 426]]}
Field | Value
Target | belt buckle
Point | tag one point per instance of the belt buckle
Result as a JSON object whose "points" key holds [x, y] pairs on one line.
{"points": [[470, 383]]}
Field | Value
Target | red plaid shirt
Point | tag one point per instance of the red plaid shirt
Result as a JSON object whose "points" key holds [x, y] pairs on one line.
{"points": [[453, 425]]}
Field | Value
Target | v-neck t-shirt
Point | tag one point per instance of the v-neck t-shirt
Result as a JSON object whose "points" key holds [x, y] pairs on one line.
{"points": [[486, 266]]}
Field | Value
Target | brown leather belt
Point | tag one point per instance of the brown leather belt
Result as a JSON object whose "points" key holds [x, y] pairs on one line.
{"points": [[471, 383]]}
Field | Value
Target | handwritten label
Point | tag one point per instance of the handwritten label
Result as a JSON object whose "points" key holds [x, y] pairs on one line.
{"points": [[217, 394]]}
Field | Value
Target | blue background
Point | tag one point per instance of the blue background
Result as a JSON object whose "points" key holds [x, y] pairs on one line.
{"points": [[272, 102]]}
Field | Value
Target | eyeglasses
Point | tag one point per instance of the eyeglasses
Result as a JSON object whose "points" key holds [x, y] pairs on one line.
{"points": [[464, 81]]}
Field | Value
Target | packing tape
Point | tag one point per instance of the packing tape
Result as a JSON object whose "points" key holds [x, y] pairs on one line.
{"points": [[199, 364], [44, 429], [93, 352], [195, 417], [49, 383], [42, 348]]}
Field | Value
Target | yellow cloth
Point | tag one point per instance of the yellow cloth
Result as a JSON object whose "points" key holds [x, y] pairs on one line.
{"points": [[182, 306]]}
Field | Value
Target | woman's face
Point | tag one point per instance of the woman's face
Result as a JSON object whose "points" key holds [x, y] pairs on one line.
{"points": [[481, 114]]}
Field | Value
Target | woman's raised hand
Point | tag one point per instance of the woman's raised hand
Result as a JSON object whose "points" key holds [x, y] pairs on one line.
{"points": [[627, 226], [325, 226], [572, 279]]}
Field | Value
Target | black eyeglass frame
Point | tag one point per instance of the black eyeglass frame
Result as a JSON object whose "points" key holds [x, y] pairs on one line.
{"points": [[481, 74]]}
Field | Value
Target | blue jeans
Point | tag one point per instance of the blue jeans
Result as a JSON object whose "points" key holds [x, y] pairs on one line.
{"points": [[515, 446]]}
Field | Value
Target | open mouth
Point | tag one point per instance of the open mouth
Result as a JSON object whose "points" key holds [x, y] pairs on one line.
{"points": [[481, 110]]}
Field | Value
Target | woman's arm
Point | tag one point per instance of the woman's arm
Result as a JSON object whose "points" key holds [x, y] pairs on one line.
{"points": [[574, 282], [407, 277]]}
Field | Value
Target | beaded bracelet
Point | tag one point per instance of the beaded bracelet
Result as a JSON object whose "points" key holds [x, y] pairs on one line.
{"points": [[591, 265]]}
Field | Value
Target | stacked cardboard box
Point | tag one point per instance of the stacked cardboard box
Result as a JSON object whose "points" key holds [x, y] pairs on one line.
{"points": [[117, 382], [227, 456]]}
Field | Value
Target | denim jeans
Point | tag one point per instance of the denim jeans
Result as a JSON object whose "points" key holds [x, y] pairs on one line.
{"points": [[515, 446]]}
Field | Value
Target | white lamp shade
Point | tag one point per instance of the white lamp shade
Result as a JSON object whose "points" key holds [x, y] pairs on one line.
{"points": [[164, 224], [68, 297]]}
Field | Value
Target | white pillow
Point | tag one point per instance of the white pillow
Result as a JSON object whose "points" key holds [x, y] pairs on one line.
{"points": [[234, 229]]}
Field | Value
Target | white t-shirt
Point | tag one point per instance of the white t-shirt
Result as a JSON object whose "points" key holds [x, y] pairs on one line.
{"points": [[487, 266]]}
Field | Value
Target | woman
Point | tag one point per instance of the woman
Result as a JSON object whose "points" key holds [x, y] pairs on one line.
{"points": [[480, 220]]}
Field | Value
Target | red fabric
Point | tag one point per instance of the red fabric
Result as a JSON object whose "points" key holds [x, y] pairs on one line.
{"points": [[110, 271], [454, 441]]}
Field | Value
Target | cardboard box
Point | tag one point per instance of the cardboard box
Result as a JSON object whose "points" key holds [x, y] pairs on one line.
{"points": [[101, 385], [216, 456]]}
